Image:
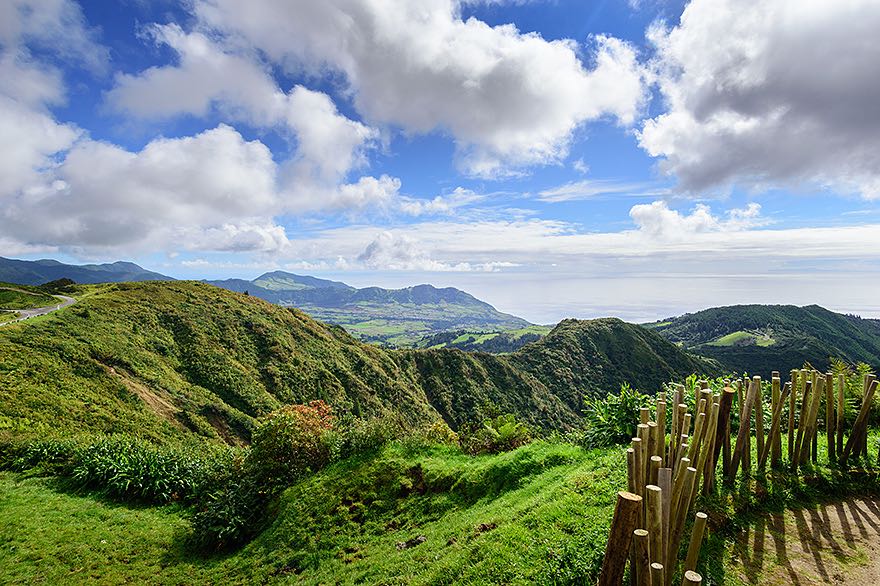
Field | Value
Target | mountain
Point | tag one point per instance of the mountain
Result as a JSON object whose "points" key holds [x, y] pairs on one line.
{"points": [[173, 359], [37, 272], [395, 317], [496, 342], [762, 338]]}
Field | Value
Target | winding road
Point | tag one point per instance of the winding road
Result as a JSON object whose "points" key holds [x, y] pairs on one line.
{"points": [[29, 313]]}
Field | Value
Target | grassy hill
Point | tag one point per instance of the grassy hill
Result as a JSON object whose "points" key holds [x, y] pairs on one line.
{"points": [[170, 359], [536, 515], [762, 338], [393, 317], [37, 272], [23, 297], [497, 341]]}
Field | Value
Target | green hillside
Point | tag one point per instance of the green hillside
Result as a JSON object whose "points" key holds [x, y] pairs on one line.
{"points": [[167, 359], [23, 297], [497, 341], [392, 317], [762, 338]]}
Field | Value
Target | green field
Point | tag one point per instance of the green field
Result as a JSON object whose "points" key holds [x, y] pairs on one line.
{"points": [[15, 297], [759, 339], [536, 515]]}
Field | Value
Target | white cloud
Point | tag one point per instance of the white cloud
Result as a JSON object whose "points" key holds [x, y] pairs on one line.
{"points": [[211, 76], [589, 188], [657, 220], [778, 93], [440, 204], [510, 100], [57, 26], [104, 196], [395, 252]]}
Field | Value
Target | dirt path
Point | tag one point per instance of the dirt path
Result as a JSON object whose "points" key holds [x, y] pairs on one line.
{"points": [[835, 543]]}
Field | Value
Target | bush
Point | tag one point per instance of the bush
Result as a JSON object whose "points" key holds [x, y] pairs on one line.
{"points": [[290, 442], [499, 434], [612, 420], [361, 436], [231, 513]]}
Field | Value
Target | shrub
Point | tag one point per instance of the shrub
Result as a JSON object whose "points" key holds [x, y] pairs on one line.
{"points": [[498, 434], [290, 442], [231, 512], [361, 436], [613, 419]]}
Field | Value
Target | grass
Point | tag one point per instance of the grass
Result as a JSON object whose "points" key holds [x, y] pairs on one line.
{"points": [[7, 316], [760, 339], [538, 514], [20, 299]]}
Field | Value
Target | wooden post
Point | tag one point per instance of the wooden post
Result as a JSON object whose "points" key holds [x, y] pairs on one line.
{"points": [[654, 469], [639, 465], [645, 435], [829, 415], [664, 481], [644, 415], [631, 475], [841, 399], [642, 559], [812, 418], [743, 432], [775, 425], [792, 399], [722, 431], [681, 511], [776, 439], [698, 434], [696, 543], [627, 512], [759, 419], [654, 508], [798, 442], [691, 579], [861, 421], [660, 440], [657, 578]]}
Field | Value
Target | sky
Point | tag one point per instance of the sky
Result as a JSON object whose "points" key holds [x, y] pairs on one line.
{"points": [[556, 158]]}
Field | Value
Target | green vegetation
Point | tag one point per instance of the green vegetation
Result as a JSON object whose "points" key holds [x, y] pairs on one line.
{"points": [[497, 341], [167, 360], [18, 297], [741, 338], [537, 514], [761, 338], [393, 318]]}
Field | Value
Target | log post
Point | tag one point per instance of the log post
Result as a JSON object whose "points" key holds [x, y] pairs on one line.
{"points": [[657, 578], [627, 512], [743, 432], [691, 579], [664, 481], [759, 419], [861, 421], [642, 558], [792, 398], [798, 442], [841, 399], [693, 554], [654, 507], [722, 432], [829, 415], [776, 439]]}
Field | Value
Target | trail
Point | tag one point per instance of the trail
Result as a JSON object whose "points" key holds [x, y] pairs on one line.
{"points": [[834, 543], [24, 314]]}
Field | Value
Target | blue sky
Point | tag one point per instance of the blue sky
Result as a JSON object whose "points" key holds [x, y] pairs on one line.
{"points": [[635, 158]]}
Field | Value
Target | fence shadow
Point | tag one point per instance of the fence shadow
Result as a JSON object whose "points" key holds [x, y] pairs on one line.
{"points": [[810, 545]]}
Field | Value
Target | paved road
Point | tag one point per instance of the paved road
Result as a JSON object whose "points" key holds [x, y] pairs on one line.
{"points": [[29, 313]]}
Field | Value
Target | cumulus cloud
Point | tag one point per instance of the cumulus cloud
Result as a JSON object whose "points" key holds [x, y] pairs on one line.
{"points": [[440, 204], [657, 220], [780, 93], [209, 75], [396, 252], [102, 195], [57, 26], [509, 99]]}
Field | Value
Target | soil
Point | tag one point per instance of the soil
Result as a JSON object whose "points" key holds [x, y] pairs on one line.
{"points": [[834, 543]]}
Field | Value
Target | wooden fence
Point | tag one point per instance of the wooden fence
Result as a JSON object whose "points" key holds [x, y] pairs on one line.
{"points": [[677, 455]]}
